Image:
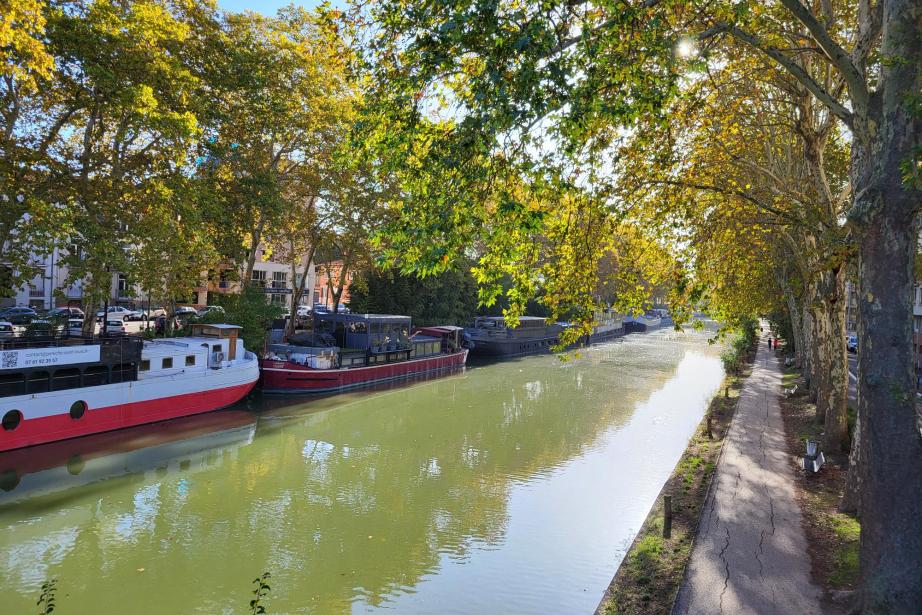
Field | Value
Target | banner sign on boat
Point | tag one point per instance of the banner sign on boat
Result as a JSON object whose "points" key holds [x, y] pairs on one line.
{"points": [[43, 357]]}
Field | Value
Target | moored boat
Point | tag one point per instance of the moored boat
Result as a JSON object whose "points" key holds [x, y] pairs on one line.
{"points": [[64, 388], [491, 337], [644, 322], [608, 326], [348, 351]]}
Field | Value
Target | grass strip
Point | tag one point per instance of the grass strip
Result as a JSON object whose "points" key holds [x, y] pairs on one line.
{"points": [[652, 571]]}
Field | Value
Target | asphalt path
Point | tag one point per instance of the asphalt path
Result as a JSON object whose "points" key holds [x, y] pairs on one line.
{"points": [[750, 553]]}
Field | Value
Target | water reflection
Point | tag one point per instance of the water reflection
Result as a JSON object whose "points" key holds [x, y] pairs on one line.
{"points": [[473, 492]]}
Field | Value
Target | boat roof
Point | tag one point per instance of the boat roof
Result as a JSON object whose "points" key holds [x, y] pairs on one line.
{"points": [[177, 344], [521, 318], [216, 326], [443, 328], [340, 317]]}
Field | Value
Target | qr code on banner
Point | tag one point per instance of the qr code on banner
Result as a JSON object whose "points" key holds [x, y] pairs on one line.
{"points": [[8, 360]]}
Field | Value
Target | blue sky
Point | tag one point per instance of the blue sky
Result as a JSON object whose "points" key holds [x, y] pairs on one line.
{"points": [[266, 7]]}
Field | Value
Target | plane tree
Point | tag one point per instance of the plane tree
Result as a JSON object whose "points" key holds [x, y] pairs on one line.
{"points": [[579, 73]]}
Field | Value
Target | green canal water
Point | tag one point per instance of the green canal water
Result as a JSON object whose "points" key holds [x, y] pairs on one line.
{"points": [[513, 487]]}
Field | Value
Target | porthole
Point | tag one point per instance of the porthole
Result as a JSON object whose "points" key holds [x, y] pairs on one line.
{"points": [[9, 479], [11, 420], [77, 409], [75, 465]]}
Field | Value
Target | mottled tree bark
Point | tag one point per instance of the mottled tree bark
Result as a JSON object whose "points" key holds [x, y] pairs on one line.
{"points": [[887, 138]]}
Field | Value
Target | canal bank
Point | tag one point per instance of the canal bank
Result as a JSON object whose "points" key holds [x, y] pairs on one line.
{"points": [[649, 577], [526, 479]]}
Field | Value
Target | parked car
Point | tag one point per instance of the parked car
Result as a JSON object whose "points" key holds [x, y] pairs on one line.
{"points": [[152, 312], [185, 311], [116, 325], [304, 311], [42, 327], [65, 313], [343, 309], [160, 324], [211, 309], [6, 329], [851, 343], [18, 315], [321, 308], [75, 326], [116, 311]]}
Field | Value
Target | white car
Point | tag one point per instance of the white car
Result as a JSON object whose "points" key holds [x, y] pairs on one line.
{"points": [[114, 325], [304, 311], [75, 326], [6, 329], [116, 311], [211, 309], [186, 310]]}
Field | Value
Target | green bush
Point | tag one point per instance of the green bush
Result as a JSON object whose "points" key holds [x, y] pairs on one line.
{"points": [[249, 310]]}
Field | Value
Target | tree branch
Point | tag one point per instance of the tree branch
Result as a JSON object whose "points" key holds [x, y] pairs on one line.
{"points": [[857, 86], [797, 71]]}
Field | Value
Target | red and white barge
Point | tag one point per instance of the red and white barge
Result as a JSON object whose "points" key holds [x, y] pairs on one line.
{"points": [[66, 388], [348, 351]]}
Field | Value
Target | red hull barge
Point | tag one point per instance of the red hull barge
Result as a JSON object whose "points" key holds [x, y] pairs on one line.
{"points": [[66, 388], [348, 351], [288, 377]]}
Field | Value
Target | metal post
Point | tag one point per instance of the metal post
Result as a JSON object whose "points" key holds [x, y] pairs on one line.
{"points": [[667, 516]]}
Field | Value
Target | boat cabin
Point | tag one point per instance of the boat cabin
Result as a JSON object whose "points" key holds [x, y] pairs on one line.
{"points": [[39, 366], [499, 322], [361, 340]]}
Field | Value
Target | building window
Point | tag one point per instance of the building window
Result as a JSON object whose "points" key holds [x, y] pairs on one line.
{"points": [[190, 360], [279, 279], [122, 285], [277, 299], [259, 278], [167, 363]]}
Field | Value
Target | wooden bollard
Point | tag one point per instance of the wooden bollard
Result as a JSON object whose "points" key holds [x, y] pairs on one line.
{"points": [[710, 426], [667, 516]]}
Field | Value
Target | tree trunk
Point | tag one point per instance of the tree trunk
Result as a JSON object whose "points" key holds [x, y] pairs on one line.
{"points": [[255, 239], [886, 142], [836, 423], [810, 350], [795, 315], [891, 472], [852, 495], [822, 330]]}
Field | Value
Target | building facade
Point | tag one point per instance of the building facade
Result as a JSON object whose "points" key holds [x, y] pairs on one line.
{"points": [[271, 276], [323, 273], [47, 288]]}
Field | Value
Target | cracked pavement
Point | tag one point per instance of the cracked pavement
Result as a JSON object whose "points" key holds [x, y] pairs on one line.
{"points": [[750, 554]]}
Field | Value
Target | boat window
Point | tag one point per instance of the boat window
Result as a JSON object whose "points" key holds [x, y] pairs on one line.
{"points": [[68, 378], [96, 375], [12, 384], [145, 365], [216, 348], [123, 372], [190, 359], [167, 363], [39, 382], [77, 409], [11, 420]]}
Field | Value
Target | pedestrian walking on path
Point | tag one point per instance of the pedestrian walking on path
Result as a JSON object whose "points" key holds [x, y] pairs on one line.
{"points": [[750, 554]]}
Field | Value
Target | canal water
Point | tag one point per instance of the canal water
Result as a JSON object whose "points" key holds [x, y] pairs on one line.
{"points": [[513, 487]]}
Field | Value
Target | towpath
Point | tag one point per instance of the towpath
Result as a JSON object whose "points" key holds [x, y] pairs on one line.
{"points": [[750, 553]]}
